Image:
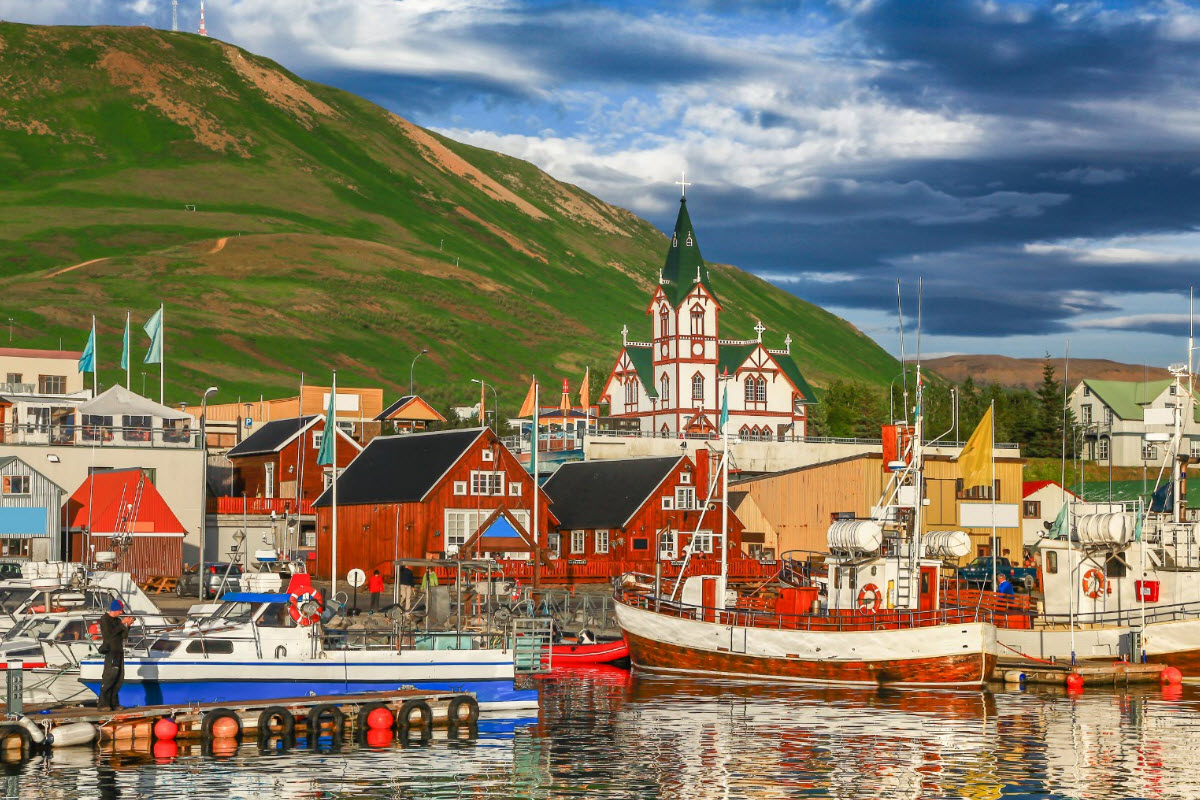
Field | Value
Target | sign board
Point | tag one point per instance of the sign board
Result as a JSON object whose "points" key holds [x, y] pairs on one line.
{"points": [[1159, 416], [345, 402], [249, 422], [979, 515], [356, 577]]}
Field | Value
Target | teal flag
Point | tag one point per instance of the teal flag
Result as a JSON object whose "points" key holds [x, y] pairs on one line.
{"points": [[724, 409], [125, 346], [325, 454], [87, 361], [154, 329], [1059, 529]]}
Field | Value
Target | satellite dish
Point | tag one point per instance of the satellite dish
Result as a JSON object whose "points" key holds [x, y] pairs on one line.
{"points": [[106, 557]]}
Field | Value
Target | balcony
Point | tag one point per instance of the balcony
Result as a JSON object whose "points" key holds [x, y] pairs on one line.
{"points": [[259, 505], [98, 436]]}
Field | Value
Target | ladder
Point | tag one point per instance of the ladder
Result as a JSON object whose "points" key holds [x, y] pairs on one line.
{"points": [[533, 638]]}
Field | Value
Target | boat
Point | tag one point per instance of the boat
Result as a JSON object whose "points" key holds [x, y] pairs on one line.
{"points": [[565, 655], [881, 620]]}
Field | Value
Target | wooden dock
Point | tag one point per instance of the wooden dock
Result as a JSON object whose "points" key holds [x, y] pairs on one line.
{"points": [[1093, 673]]}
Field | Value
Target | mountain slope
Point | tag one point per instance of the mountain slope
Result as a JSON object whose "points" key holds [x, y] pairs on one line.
{"points": [[290, 226], [1027, 372]]}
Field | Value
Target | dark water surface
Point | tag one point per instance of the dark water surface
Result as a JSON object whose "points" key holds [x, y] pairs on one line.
{"points": [[606, 734]]}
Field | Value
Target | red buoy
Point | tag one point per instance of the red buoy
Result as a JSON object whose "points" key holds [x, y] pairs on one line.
{"points": [[224, 746], [165, 750], [379, 737], [225, 728], [1170, 676], [379, 719], [1074, 683], [165, 729]]}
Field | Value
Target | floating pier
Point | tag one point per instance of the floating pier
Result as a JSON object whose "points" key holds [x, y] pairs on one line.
{"points": [[409, 715], [1083, 673]]}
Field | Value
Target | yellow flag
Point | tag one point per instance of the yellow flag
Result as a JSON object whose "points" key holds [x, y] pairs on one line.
{"points": [[527, 407], [975, 461]]}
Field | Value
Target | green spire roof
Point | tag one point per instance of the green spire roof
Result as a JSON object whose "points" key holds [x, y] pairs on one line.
{"points": [[684, 262]]}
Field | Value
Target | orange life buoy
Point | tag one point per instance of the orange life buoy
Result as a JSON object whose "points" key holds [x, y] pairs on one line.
{"points": [[299, 616], [1094, 583], [869, 597]]}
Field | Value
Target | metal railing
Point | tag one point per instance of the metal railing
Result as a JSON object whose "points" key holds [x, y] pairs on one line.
{"points": [[97, 436], [258, 505]]}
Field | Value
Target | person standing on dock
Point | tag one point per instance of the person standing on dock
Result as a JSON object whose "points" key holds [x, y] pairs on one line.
{"points": [[407, 584], [375, 589], [114, 632]]}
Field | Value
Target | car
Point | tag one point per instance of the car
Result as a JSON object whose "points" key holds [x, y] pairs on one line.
{"points": [[220, 577], [10, 570], [979, 573]]}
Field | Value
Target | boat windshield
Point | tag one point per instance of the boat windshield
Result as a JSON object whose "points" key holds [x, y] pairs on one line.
{"points": [[34, 628], [235, 612], [12, 599]]}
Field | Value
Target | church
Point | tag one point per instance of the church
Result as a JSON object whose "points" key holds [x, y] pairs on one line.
{"points": [[671, 384]]}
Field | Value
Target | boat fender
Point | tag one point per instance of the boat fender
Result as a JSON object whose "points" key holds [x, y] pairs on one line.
{"points": [[454, 711], [412, 708], [869, 598], [1094, 583], [74, 734], [585, 637], [362, 723], [320, 711], [8, 730], [211, 717], [276, 716], [35, 731]]}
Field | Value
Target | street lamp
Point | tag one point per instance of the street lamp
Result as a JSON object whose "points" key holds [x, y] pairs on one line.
{"points": [[413, 367], [496, 407], [203, 485]]}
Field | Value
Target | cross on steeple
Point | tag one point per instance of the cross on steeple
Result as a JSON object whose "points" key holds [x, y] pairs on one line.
{"points": [[624, 335], [759, 328], [682, 183]]}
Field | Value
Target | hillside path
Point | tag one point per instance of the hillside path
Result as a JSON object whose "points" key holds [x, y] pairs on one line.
{"points": [[75, 266], [219, 246]]}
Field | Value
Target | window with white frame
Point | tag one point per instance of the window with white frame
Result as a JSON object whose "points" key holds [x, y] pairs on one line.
{"points": [[749, 388], [697, 321], [697, 387], [668, 503], [685, 477], [317, 436], [760, 390], [602, 541], [554, 545], [514, 489], [460, 525], [1194, 448], [685, 497], [578, 542], [1102, 449], [1108, 416], [1149, 451], [487, 483], [664, 390], [488, 455], [666, 545], [702, 542], [269, 479], [460, 487], [16, 484], [1085, 413], [631, 392]]}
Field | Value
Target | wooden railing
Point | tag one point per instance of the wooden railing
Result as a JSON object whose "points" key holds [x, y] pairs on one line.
{"points": [[258, 505], [562, 570]]}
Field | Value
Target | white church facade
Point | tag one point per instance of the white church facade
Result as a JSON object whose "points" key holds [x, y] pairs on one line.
{"points": [[672, 383]]}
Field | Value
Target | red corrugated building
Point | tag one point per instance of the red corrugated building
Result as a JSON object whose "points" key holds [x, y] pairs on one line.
{"points": [[121, 511], [279, 461]]}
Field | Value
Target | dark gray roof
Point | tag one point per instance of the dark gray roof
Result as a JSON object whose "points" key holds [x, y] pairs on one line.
{"points": [[605, 494], [400, 469], [271, 437], [387, 412]]}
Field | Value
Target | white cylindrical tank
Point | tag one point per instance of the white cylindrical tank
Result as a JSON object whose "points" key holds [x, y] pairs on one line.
{"points": [[1105, 529], [73, 734], [947, 544], [855, 535]]}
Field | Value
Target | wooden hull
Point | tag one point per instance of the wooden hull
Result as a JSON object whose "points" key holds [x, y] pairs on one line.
{"points": [[573, 655], [959, 655]]}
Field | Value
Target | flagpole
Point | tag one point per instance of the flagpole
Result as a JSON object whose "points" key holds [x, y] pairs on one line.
{"points": [[95, 384], [125, 348], [1067, 519], [162, 359], [724, 499], [331, 429], [299, 475], [995, 543], [533, 463]]}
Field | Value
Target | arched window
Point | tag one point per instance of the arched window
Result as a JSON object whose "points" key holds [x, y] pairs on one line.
{"points": [[631, 392], [664, 390], [744, 433], [697, 321], [697, 386], [749, 388], [664, 323], [760, 393]]}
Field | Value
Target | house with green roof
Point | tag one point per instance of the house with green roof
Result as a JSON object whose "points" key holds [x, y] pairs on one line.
{"points": [[672, 382], [1131, 423]]}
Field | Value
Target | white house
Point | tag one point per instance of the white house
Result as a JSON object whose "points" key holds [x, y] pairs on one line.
{"points": [[1131, 421]]}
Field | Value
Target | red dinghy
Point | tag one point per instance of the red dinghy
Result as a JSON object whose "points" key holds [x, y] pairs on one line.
{"points": [[566, 655]]}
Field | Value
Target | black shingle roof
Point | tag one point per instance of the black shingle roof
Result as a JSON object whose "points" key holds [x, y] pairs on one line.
{"points": [[387, 412], [400, 469], [270, 437], [604, 494]]}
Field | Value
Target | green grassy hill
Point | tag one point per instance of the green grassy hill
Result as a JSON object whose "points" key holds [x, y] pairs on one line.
{"points": [[290, 226]]}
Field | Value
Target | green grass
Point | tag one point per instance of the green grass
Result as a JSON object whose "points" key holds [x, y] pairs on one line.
{"points": [[334, 260]]}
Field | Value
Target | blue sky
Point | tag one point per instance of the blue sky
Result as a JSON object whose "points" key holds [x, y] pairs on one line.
{"points": [[1037, 163]]}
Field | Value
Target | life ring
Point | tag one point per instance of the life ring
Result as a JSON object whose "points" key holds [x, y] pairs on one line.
{"points": [[298, 614], [869, 597], [1094, 583]]}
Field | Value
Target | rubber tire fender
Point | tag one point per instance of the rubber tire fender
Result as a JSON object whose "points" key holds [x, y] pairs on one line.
{"points": [[453, 710], [9, 728], [404, 715], [360, 725], [313, 721], [287, 722], [210, 717]]}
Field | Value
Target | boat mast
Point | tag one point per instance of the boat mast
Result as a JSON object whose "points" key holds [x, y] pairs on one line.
{"points": [[918, 453]]}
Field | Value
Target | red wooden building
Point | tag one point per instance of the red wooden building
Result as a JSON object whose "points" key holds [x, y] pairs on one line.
{"points": [[279, 460], [412, 495], [410, 414], [628, 513], [124, 514]]}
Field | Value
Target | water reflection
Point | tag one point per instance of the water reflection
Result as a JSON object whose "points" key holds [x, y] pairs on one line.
{"points": [[604, 734]]}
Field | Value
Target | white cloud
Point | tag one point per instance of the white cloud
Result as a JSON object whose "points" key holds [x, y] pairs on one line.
{"points": [[1148, 250]]}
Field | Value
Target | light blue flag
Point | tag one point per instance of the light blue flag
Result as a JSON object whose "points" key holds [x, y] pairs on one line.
{"points": [[325, 454], [87, 361], [125, 346], [724, 409], [154, 330], [1060, 528]]}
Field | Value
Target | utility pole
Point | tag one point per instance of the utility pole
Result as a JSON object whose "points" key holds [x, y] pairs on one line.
{"points": [[175, 15]]}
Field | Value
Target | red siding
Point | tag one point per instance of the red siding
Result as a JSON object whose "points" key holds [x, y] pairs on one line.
{"points": [[251, 471], [146, 557]]}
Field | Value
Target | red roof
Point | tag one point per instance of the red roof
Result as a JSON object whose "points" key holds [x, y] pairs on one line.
{"points": [[1029, 487], [107, 492]]}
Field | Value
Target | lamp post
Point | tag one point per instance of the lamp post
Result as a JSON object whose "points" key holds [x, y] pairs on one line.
{"points": [[496, 407], [413, 367], [203, 486]]}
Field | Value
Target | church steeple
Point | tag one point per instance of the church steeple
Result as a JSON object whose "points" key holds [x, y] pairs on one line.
{"points": [[684, 267]]}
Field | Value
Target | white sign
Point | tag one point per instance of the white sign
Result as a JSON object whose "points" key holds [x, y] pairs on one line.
{"points": [[356, 577], [345, 402], [1159, 416], [979, 515]]}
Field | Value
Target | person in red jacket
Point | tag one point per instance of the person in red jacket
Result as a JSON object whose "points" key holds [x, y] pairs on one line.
{"points": [[375, 588]]}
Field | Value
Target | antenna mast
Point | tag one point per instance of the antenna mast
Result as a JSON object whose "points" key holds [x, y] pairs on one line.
{"points": [[203, 30], [175, 15]]}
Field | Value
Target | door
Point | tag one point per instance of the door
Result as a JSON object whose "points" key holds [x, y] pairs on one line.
{"points": [[269, 480], [927, 595]]}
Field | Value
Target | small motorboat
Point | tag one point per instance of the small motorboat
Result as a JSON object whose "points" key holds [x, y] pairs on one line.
{"points": [[588, 651]]}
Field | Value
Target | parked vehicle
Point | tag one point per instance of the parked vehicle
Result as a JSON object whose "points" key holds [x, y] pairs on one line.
{"points": [[219, 578], [10, 570], [979, 572]]}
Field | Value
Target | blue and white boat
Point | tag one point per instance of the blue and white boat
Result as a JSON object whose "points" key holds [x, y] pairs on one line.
{"points": [[254, 647]]}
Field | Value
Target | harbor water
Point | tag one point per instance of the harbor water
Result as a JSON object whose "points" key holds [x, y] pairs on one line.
{"points": [[604, 733]]}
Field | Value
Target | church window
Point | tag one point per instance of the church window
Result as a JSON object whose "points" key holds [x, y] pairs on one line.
{"points": [[631, 393], [749, 388], [697, 321], [760, 391], [744, 433], [697, 387], [664, 324], [664, 392]]}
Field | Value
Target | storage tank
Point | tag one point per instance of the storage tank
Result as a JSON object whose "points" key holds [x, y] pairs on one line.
{"points": [[1105, 529], [947, 544], [855, 535]]}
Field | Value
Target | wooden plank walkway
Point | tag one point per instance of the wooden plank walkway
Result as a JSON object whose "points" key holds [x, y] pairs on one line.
{"points": [[1094, 673]]}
